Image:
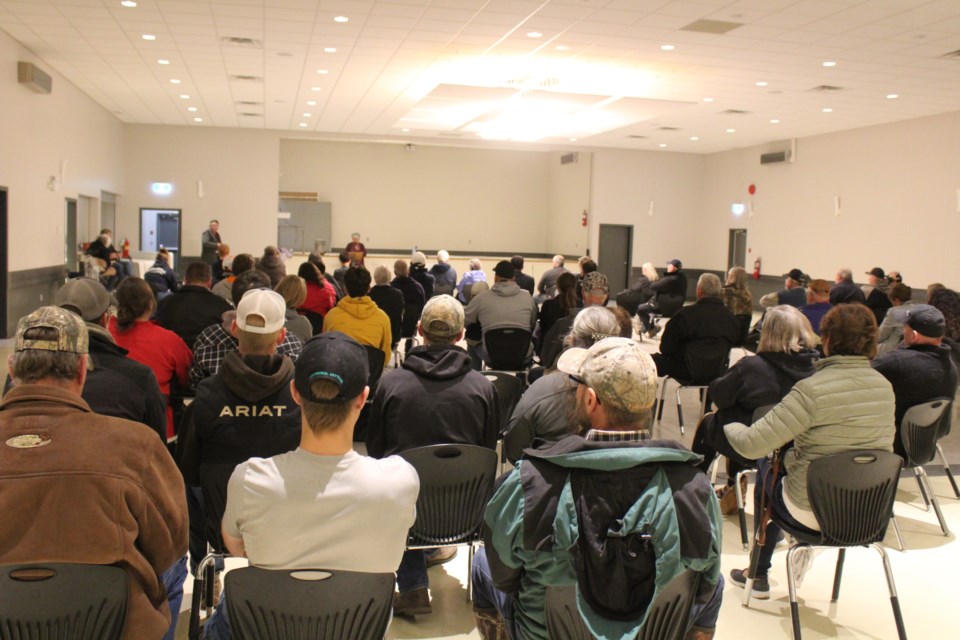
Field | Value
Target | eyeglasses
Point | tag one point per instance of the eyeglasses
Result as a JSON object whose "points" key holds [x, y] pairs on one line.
{"points": [[580, 380]]}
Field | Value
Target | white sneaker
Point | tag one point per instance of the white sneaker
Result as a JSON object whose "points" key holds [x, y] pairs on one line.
{"points": [[802, 561]]}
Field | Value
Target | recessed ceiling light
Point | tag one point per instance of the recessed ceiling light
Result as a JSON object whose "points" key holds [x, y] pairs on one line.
{"points": [[562, 47], [341, 19], [694, 138], [162, 61], [573, 139], [667, 47], [311, 103], [174, 80], [708, 99], [534, 34], [731, 130], [827, 110], [662, 145], [303, 124], [128, 3], [829, 63], [307, 114], [762, 83], [322, 72], [775, 121], [315, 89], [893, 96], [149, 36], [329, 49], [191, 109], [405, 130], [185, 96], [198, 119]]}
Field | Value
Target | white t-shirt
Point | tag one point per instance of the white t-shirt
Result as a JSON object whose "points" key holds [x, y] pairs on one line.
{"points": [[299, 510]]}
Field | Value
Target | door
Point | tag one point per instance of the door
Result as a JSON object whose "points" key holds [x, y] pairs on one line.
{"points": [[70, 257], [737, 249], [3, 260], [160, 228], [614, 254]]}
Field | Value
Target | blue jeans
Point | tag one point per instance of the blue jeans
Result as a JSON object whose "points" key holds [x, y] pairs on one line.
{"points": [[412, 573], [172, 580], [773, 488], [218, 626]]}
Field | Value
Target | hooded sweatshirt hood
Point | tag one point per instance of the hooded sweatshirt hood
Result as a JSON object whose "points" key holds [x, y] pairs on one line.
{"points": [[794, 366], [360, 308], [254, 378], [506, 288], [440, 267], [439, 362]]}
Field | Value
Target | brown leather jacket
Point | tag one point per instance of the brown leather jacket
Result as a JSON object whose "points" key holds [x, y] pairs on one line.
{"points": [[98, 490]]}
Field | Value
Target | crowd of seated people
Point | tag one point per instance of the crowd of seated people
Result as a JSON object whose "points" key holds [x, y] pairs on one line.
{"points": [[279, 372]]}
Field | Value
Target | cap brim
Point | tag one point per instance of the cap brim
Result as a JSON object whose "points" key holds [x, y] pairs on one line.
{"points": [[571, 360]]}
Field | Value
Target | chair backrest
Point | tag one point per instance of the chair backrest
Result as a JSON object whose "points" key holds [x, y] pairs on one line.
{"points": [[509, 389], [57, 601], [375, 358], [316, 321], [666, 619], [922, 426], [411, 317], [669, 304], [759, 412], [315, 604], [214, 477], [743, 320], [507, 349], [456, 481], [706, 366], [852, 494]]}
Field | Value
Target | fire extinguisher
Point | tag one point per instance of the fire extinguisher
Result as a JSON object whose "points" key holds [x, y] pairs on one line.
{"points": [[583, 219], [126, 249], [756, 269]]}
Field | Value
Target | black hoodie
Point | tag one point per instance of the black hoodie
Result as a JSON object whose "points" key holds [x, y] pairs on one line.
{"points": [[758, 381], [436, 398], [244, 411]]}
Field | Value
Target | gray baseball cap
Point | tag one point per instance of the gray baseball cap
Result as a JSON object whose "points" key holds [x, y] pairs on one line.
{"points": [[83, 296], [442, 317], [621, 373]]}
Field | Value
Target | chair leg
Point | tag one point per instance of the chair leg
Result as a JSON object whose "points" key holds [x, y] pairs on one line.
{"points": [[470, 552], [896, 530], [751, 572], [203, 583], [792, 588], [714, 467], [933, 500], [741, 512], [892, 587], [663, 397], [680, 409], [946, 469], [838, 574], [923, 490]]}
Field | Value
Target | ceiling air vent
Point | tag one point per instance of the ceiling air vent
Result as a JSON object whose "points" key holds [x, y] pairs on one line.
{"points": [[570, 158], [247, 78], [636, 137], [250, 103], [668, 128], [825, 88], [734, 112], [248, 43], [250, 114], [711, 26], [953, 55]]}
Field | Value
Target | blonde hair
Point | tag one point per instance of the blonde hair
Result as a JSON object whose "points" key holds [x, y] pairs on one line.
{"points": [[256, 343], [293, 289], [786, 330], [737, 278], [381, 275], [650, 271]]}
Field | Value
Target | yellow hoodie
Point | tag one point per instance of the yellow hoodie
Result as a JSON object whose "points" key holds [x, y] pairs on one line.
{"points": [[361, 319]]}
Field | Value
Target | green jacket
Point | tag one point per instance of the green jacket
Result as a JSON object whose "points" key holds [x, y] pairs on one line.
{"points": [[845, 405], [532, 521]]}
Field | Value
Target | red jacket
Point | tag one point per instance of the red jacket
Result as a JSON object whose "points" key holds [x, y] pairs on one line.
{"points": [[320, 299], [101, 491]]}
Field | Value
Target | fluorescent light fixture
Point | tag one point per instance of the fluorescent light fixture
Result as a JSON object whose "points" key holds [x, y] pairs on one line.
{"points": [[303, 124], [149, 37], [311, 103], [893, 96], [198, 119], [775, 121], [192, 109], [315, 89], [662, 145], [174, 80], [694, 138], [667, 47], [829, 64], [322, 72], [128, 3], [731, 130], [573, 139], [827, 110], [307, 115], [405, 130], [161, 188], [762, 83], [737, 208], [534, 34], [341, 19], [708, 99], [562, 47], [163, 61], [329, 49]]}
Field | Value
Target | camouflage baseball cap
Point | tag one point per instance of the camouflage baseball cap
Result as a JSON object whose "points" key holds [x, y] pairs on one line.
{"points": [[72, 334], [442, 317], [595, 282], [622, 374]]}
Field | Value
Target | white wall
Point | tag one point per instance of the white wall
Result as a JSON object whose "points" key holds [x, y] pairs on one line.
{"points": [[898, 187], [568, 197], [39, 132], [624, 185], [457, 199], [238, 169]]}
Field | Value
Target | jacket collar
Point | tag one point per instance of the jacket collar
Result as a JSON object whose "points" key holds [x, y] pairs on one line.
{"points": [[24, 395]]}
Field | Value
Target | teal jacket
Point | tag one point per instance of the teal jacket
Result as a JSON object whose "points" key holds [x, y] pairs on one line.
{"points": [[532, 522]]}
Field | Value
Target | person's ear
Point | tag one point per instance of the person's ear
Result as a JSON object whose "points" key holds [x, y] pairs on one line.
{"points": [[296, 394], [281, 335]]}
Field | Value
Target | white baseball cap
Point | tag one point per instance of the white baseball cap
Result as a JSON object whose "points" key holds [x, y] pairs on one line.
{"points": [[265, 304]]}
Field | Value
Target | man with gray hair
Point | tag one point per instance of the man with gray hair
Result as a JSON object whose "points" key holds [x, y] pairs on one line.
{"points": [[434, 398], [547, 287], [445, 276], [845, 291], [106, 491], [706, 330]]}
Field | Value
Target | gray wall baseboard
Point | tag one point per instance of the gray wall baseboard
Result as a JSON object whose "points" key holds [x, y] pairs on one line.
{"points": [[30, 289]]}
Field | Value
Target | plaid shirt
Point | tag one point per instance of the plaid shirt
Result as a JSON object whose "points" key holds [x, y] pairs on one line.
{"points": [[214, 343], [598, 435]]}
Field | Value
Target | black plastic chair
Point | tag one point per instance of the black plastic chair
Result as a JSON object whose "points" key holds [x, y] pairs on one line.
{"points": [[667, 618], [408, 329], [923, 425], [53, 601], [704, 369], [508, 349], [316, 321], [311, 603], [509, 389], [456, 481], [851, 494]]}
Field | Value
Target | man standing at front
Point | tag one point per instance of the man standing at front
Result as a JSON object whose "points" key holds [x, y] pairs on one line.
{"points": [[322, 506], [80, 487], [646, 490], [209, 243]]}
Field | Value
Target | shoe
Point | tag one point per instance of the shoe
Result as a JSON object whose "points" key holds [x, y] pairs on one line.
{"points": [[728, 501], [761, 586], [441, 556], [654, 330], [490, 625], [412, 603]]}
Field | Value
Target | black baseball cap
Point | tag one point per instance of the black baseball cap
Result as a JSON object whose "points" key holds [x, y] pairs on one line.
{"points": [[676, 263], [926, 320], [337, 358], [794, 274], [504, 269]]}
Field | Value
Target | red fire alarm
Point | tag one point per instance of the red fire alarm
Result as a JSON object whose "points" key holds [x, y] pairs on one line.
{"points": [[752, 189]]}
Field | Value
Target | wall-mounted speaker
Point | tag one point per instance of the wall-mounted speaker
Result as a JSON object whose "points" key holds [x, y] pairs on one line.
{"points": [[30, 76]]}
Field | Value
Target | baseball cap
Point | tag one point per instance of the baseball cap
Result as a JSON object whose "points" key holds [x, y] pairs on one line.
{"points": [[72, 336], [83, 296], [418, 258], [794, 274], [877, 271], [337, 358], [505, 270], [621, 373], [676, 263], [819, 286], [265, 304], [926, 320], [442, 317], [595, 282]]}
